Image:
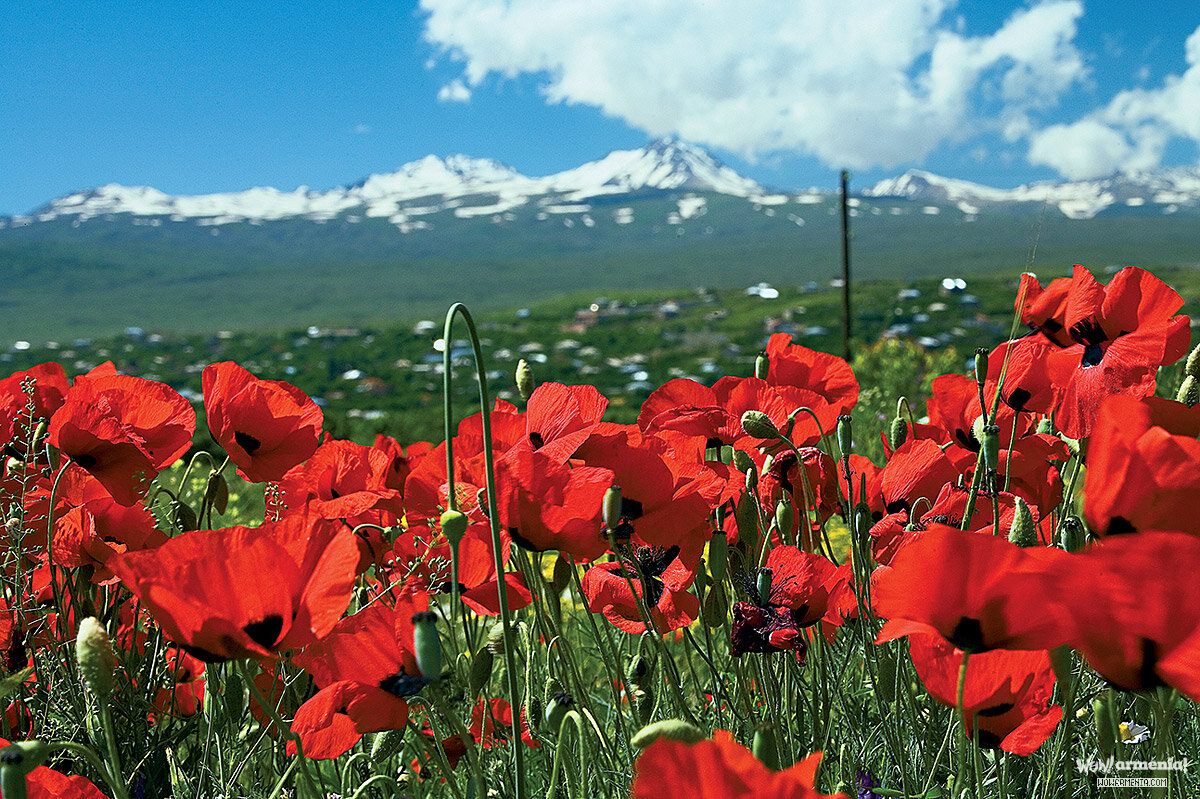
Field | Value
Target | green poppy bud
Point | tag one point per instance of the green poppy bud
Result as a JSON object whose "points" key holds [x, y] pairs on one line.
{"points": [[759, 425], [742, 462], [671, 729], [524, 379], [1045, 426], [94, 654], [1189, 391], [718, 555], [785, 516], [762, 365], [454, 526], [637, 671], [481, 669], [1023, 531], [557, 708], [495, 639], [427, 644], [386, 744], [715, 608], [765, 748], [897, 433], [25, 755], [1192, 365]]}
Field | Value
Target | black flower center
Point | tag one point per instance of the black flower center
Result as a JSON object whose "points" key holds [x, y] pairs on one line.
{"points": [[246, 441], [266, 632], [968, 636]]}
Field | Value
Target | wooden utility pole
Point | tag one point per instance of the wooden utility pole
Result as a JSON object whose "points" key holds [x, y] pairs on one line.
{"points": [[845, 266]]}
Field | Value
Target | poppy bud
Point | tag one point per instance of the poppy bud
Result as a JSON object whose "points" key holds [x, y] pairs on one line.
{"points": [[495, 639], [1189, 391], [1023, 531], [990, 445], [427, 644], [762, 365], [765, 748], [1192, 365], [759, 425], [1072, 534], [1104, 726], [785, 516], [612, 507], [671, 729], [557, 708], [898, 433], [386, 744], [1045, 426], [981, 365], [715, 608], [533, 708], [454, 526], [845, 435], [94, 654], [481, 669], [718, 555], [637, 671], [741, 461], [16, 761], [763, 584], [524, 379]]}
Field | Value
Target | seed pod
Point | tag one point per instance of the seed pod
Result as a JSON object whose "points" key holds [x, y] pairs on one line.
{"points": [[981, 365], [454, 526], [481, 670], [671, 729], [716, 607], [990, 444], [845, 435], [94, 654], [524, 379], [759, 425], [1023, 531], [612, 507], [427, 644], [386, 744]]}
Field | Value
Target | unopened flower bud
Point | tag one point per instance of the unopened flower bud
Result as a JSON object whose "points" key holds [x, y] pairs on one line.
{"points": [[990, 443], [898, 433], [1045, 426], [759, 425], [481, 668], [524, 379], [718, 555], [762, 366], [427, 644], [386, 744], [557, 708], [637, 671], [785, 515], [742, 461], [765, 748], [1023, 531], [1189, 391], [1072, 534], [454, 526], [94, 654], [1105, 729], [671, 729], [1192, 365], [495, 639]]}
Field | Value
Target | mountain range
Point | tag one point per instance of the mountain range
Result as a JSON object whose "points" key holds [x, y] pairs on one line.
{"points": [[477, 187]]}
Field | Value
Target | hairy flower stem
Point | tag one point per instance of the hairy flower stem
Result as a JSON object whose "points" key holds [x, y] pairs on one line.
{"points": [[514, 691]]}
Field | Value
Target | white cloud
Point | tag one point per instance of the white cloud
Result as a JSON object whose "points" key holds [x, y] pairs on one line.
{"points": [[1132, 132], [361, 129], [454, 92], [858, 83]]}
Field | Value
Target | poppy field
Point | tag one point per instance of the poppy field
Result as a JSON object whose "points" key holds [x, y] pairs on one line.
{"points": [[724, 598]]}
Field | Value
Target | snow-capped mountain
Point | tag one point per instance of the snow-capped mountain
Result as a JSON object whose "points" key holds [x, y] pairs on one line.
{"points": [[438, 183], [1083, 199]]}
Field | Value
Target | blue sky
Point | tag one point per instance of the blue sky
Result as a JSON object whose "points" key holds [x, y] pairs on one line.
{"points": [[195, 98]]}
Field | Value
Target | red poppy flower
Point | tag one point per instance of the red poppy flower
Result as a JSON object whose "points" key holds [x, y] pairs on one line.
{"points": [[365, 667], [46, 783], [1121, 334], [1143, 467], [545, 505], [815, 489], [662, 584], [47, 384], [404, 459], [918, 468], [798, 597], [978, 591], [559, 418], [720, 768], [1006, 692], [807, 378], [954, 408], [246, 592], [346, 481], [422, 554], [1134, 603], [186, 692], [123, 430], [712, 414], [266, 426]]}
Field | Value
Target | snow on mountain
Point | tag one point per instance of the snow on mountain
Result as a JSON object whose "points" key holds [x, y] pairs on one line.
{"points": [[438, 183], [1076, 199]]}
